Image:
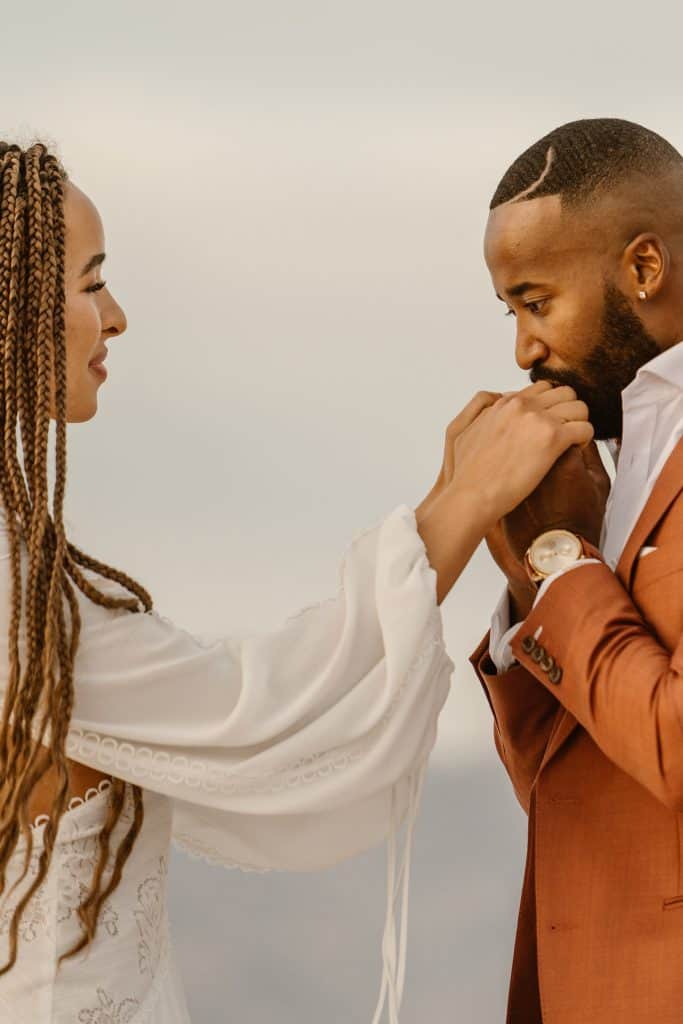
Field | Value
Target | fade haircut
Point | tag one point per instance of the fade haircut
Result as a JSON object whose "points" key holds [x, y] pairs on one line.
{"points": [[582, 159]]}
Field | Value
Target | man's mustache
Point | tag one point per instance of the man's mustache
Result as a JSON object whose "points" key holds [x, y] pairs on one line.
{"points": [[559, 378]]}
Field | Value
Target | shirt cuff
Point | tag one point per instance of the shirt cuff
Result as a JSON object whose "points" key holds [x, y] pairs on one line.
{"points": [[502, 633], [501, 636]]}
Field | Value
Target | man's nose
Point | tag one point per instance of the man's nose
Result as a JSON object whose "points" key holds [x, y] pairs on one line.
{"points": [[529, 349]]}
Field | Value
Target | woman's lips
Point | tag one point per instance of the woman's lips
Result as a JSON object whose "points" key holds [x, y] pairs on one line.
{"points": [[99, 369]]}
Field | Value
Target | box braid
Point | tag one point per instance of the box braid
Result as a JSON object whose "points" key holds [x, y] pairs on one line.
{"points": [[32, 346], [582, 158]]}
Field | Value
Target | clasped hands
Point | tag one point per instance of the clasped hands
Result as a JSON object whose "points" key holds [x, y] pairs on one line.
{"points": [[529, 460]]}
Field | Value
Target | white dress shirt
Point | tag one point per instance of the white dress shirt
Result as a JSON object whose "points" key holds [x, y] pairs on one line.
{"points": [[286, 750], [653, 426]]}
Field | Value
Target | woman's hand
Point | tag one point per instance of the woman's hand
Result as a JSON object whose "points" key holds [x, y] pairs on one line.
{"points": [[482, 400], [497, 451], [508, 448]]}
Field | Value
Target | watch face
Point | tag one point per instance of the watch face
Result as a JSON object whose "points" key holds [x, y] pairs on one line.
{"points": [[554, 550]]}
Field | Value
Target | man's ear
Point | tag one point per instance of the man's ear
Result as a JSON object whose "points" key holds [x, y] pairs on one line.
{"points": [[647, 263]]}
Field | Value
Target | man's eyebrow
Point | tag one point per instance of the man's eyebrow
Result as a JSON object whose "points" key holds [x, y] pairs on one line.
{"points": [[519, 289], [93, 262]]}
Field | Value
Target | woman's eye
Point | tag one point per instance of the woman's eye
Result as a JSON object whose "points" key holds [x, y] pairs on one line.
{"points": [[96, 287]]}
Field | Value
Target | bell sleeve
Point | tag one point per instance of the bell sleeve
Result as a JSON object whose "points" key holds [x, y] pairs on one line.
{"points": [[279, 750], [290, 750]]}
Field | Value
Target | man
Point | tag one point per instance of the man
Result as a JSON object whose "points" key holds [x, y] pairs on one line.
{"points": [[583, 667]]}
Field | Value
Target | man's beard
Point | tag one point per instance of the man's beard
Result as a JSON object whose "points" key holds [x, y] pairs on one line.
{"points": [[623, 347]]}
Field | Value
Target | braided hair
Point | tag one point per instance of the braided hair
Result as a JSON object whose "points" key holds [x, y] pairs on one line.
{"points": [[32, 348], [583, 158]]}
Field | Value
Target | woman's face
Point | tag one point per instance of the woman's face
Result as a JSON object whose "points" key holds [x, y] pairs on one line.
{"points": [[92, 314]]}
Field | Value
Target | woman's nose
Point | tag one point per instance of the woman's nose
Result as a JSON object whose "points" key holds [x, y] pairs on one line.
{"points": [[116, 322]]}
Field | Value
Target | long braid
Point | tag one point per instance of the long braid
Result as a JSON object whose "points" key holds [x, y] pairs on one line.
{"points": [[39, 696]]}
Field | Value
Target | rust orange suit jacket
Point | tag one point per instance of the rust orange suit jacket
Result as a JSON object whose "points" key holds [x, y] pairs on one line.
{"points": [[596, 760]]}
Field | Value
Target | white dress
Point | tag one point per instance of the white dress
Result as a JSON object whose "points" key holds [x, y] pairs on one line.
{"points": [[291, 750]]}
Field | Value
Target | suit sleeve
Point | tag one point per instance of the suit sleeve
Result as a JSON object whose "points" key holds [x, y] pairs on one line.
{"points": [[599, 657], [524, 714]]}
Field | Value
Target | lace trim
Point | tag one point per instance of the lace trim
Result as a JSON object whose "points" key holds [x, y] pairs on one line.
{"points": [[199, 850], [126, 760], [76, 801]]}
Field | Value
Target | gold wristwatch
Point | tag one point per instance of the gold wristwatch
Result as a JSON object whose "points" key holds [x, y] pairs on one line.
{"points": [[552, 551]]}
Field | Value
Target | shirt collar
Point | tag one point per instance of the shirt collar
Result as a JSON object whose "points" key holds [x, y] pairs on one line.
{"points": [[666, 367]]}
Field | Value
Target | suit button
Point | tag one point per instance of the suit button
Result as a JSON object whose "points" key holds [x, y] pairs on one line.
{"points": [[547, 663], [528, 644], [538, 654], [555, 674]]}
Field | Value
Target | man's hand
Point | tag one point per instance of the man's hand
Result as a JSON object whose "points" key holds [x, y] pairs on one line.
{"points": [[522, 592], [572, 497]]}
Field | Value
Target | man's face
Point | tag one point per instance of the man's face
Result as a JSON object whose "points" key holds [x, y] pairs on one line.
{"points": [[556, 273]]}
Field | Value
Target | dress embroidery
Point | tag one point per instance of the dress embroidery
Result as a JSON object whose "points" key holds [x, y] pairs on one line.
{"points": [[36, 918], [150, 917], [79, 863], [109, 1012], [152, 925]]}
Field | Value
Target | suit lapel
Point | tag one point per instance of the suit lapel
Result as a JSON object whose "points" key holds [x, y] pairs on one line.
{"points": [[668, 486]]}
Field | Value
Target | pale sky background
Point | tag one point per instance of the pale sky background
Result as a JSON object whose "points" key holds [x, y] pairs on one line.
{"points": [[294, 196]]}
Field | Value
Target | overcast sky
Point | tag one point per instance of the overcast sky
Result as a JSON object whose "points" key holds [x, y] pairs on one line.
{"points": [[294, 196]]}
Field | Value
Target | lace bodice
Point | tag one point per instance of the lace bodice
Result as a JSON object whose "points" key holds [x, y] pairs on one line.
{"points": [[117, 977], [75, 801]]}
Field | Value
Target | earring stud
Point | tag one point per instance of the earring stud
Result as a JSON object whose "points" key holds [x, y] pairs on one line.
{"points": [[642, 295]]}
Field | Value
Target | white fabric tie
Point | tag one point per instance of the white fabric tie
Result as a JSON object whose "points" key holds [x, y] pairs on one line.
{"points": [[393, 974]]}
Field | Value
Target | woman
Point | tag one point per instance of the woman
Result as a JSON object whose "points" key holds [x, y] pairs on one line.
{"points": [[121, 732]]}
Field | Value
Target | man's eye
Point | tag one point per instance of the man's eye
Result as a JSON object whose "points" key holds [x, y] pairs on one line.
{"points": [[510, 312], [535, 307], [96, 287]]}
